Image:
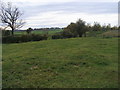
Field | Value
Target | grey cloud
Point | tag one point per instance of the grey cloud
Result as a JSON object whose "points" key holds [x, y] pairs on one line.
{"points": [[72, 7], [94, 7], [69, 8]]}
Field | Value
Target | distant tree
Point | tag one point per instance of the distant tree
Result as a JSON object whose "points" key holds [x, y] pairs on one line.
{"points": [[29, 30], [71, 29], [114, 28], [81, 27], [87, 28], [96, 26], [103, 27], [10, 15], [119, 28], [108, 27], [77, 29]]}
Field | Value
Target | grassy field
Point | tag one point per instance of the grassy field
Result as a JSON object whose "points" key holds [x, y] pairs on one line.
{"points": [[39, 32], [109, 33], [112, 33], [74, 63]]}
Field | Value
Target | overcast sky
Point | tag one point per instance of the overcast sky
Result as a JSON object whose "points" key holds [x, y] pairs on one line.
{"points": [[60, 13]]}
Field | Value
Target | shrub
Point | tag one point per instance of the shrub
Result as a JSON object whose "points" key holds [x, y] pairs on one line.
{"points": [[37, 37], [29, 30], [67, 34], [10, 39], [96, 27], [23, 38], [6, 32], [63, 34], [57, 36], [77, 29]]}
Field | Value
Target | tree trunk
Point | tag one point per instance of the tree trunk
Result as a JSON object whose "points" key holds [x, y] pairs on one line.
{"points": [[12, 31]]}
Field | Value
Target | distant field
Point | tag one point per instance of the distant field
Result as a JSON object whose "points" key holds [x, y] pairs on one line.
{"points": [[74, 63], [39, 32], [109, 33], [112, 33]]}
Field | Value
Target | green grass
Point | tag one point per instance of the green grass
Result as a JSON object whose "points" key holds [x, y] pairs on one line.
{"points": [[112, 33], [39, 32], [95, 33], [108, 33], [74, 63]]}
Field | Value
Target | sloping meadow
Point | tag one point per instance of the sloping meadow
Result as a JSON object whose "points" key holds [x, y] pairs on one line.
{"points": [[63, 63]]}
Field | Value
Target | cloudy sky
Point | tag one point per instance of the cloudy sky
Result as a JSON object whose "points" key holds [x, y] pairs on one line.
{"points": [[59, 13]]}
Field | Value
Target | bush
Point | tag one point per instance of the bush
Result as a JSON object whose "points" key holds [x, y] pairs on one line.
{"points": [[96, 27], [67, 34], [23, 38], [76, 29], [37, 37], [29, 30], [10, 39], [6, 32], [57, 36], [63, 34]]}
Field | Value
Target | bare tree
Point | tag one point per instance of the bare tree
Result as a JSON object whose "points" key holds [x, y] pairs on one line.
{"points": [[10, 15]]}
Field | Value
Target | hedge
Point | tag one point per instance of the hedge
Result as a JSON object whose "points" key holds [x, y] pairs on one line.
{"points": [[23, 38]]}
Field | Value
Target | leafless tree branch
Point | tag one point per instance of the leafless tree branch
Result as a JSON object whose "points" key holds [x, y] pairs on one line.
{"points": [[10, 15]]}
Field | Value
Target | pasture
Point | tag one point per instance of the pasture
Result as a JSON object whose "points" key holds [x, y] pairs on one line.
{"points": [[64, 63], [50, 32]]}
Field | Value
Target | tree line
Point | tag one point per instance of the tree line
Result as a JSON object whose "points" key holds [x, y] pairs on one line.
{"points": [[80, 28], [10, 16]]}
